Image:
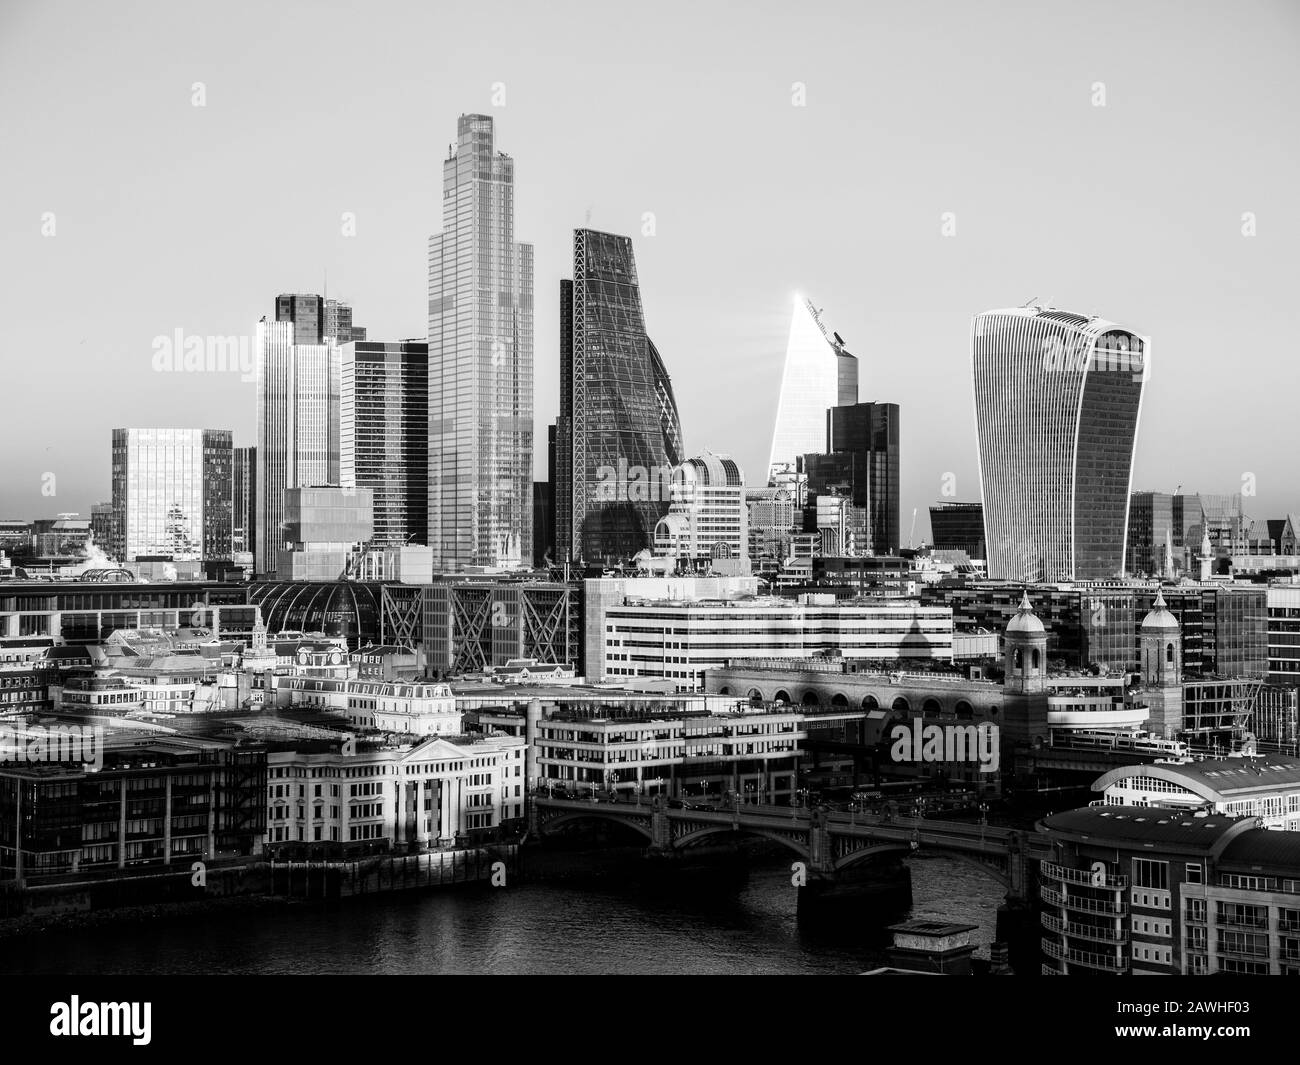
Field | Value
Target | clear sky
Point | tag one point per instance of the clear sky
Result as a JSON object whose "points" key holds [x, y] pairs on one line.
{"points": [[169, 216]]}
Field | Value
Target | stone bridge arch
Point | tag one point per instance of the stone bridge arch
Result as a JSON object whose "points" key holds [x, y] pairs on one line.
{"points": [[876, 850]]}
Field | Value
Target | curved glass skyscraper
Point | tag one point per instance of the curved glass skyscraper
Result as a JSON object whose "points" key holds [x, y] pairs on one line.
{"points": [[618, 438], [819, 374], [1057, 399]]}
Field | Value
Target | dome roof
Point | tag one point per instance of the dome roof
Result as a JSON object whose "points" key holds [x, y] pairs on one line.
{"points": [[1025, 620], [1160, 619]]}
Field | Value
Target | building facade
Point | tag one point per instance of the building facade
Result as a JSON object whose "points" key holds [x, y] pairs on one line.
{"points": [[1141, 890], [297, 424], [172, 493], [1057, 398], [958, 527], [480, 440], [708, 518], [384, 433], [243, 517]]}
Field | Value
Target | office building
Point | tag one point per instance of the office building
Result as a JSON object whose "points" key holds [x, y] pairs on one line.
{"points": [[317, 320], [958, 527], [618, 434], [384, 432], [393, 795], [679, 641], [480, 443], [172, 492], [867, 434], [244, 502], [708, 518], [819, 373], [323, 530], [1057, 398], [297, 423], [1161, 527]]}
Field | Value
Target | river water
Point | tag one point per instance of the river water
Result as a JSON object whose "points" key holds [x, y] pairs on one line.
{"points": [[742, 924]]}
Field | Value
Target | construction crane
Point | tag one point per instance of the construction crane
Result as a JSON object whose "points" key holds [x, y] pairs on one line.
{"points": [[910, 535]]}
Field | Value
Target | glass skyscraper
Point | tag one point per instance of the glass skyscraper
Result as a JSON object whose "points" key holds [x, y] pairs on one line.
{"points": [[383, 434], [297, 424], [244, 517], [819, 374], [480, 436], [172, 493], [1057, 399], [619, 437]]}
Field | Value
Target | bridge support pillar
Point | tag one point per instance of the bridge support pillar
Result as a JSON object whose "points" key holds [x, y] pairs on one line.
{"points": [[661, 831]]}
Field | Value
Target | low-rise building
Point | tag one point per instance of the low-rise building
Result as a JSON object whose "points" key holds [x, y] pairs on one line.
{"points": [[378, 795]]}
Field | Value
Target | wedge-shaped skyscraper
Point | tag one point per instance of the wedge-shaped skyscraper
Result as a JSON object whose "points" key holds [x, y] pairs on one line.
{"points": [[618, 437], [819, 374], [1057, 400]]}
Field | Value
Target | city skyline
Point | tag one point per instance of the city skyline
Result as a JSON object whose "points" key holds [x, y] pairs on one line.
{"points": [[900, 286]]}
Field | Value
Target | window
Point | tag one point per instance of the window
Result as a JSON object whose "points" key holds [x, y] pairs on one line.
{"points": [[1149, 873], [1194, 873]]}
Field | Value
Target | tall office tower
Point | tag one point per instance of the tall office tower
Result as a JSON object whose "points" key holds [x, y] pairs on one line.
{"points": [[244, 501], [480, 362], [1057, 399], [384, 432], [297, 425], [819, 374], [172, 493], [619, 437], [315, 318], [958, 527], [868, 432]]}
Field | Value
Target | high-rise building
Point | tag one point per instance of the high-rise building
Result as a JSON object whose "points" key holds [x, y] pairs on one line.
{"points": [[103, 529], [297, 423], [1057, 398], [958, 527], [480, 442], [1160, 525], [384, 432], [819, 374], [244, 502], [316, 319], [619, 437], [868, 433], [172, 493]]}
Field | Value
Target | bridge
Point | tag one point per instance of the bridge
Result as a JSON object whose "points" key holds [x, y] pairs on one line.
{"points": [[827, 841]]}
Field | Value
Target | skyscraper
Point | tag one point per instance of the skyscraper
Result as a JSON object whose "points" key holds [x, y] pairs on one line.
{"points": [[618, 437], [819, 374], [869, 433], [315, 318], [244, 500], [172, 493], [383, 434], [480, 440], [297, 423], [1057, 399]]}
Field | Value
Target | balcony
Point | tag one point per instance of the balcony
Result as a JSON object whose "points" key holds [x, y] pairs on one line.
{"points": [[1106, 963], [1075, 930], [1082, 877], [1080, 904]]}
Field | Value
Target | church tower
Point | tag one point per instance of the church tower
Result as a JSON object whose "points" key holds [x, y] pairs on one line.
{"points": [[1160, 641], [1024, 687]]}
